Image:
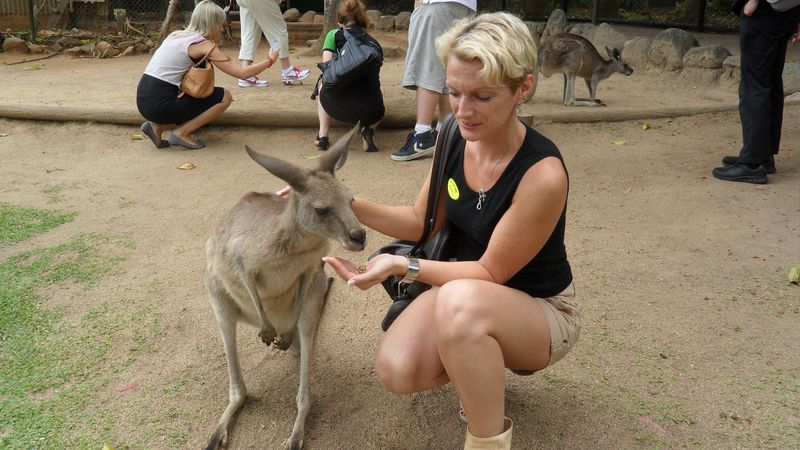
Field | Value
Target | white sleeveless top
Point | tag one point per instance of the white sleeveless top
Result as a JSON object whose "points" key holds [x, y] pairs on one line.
{"points": [[171, 60]]}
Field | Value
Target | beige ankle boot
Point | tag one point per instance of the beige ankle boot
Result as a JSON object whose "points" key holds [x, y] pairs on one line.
{"points": [[500, 442]]}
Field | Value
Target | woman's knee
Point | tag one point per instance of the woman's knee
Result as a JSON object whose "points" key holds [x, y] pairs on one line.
{"points": [[395, 374], [227, 98], [459, 311]]}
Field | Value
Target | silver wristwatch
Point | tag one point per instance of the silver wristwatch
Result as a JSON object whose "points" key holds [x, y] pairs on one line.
{"points": [[412, 272]]}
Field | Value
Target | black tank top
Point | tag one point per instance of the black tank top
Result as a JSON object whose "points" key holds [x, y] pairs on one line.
{"points": [[548, 273]]}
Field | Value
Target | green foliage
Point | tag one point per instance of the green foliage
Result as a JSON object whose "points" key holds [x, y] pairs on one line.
{"points": [[49, 368], [18, 223]]}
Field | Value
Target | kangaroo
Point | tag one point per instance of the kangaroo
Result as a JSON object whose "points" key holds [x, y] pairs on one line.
{"points": [[574, 55], [264, 268]]}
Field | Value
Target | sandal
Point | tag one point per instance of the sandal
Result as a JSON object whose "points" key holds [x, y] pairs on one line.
{"points": [[322, 142], [369, 143], [461, 415]]}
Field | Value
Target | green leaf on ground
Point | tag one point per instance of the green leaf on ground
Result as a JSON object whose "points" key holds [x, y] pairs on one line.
{"points": [[794, 274]]}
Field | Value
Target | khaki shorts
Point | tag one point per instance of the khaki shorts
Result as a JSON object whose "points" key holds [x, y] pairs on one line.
{"points": [[563, 316], [423, 68]]}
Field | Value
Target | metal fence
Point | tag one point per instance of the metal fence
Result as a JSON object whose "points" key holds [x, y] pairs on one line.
{"points": [[22, 17]]}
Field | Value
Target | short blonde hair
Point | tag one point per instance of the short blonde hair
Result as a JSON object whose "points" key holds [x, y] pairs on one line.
{"points": [[500, 41], [206, 17]]}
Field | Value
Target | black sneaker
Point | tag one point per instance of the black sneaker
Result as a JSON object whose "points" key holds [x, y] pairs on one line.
{"points": [[416, 146], [740, 172], [733, 160]]}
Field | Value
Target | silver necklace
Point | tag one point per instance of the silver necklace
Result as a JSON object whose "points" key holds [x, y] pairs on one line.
{"points": [[482, 192]]}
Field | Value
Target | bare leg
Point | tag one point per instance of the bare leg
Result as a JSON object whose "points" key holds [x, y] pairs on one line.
{"points": [[206, 117], [408, 360], [444, 107], [482, 328], [161, 128], [324, 120], [427, 101]]}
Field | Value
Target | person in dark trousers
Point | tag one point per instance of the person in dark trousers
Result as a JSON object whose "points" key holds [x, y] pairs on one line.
{"points": [[763, 38]]}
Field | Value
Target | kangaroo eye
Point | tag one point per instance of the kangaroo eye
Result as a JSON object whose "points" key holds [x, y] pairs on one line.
{"points": [[322, 211]]}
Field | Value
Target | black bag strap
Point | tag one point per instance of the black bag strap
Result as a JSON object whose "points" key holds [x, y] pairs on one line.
{"points": [[444, 144]]}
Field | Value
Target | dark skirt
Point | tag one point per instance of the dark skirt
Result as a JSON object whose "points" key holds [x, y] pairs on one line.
{"points": [[158, 102], [355, 103]]}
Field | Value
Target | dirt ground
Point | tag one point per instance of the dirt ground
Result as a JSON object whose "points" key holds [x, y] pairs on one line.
{"points": [[690, 335]]}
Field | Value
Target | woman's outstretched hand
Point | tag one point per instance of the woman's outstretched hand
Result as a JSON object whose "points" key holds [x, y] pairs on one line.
{"points": [[273, 54], [377, 269]]}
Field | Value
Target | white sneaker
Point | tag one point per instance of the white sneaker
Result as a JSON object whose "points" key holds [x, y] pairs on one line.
{"points": [[253, 82], [293, 74]]}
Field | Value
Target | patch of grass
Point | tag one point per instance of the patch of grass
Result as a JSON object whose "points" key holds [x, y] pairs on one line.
{"points": [[52, 369], [18, 223], [55, 192]]}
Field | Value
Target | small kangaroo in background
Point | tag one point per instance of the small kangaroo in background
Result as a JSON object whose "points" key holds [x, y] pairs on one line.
{"points": [[575, 56], [264, 268]]}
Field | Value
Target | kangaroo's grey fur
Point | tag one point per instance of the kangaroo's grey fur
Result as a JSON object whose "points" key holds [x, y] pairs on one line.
{"points": [[575, 56], [264, 268]]}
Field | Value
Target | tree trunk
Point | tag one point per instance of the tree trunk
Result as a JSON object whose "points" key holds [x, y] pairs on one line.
{"points": [[330, 23], [691, 12], [171, 10]]}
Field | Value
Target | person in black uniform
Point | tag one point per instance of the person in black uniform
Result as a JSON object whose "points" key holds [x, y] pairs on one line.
{"points": [[362, 100], [763, 37], [508, 301]]}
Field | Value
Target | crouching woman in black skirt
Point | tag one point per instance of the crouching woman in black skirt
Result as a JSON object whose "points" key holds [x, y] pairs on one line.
{"points": [[157, 94], [362, 100]]}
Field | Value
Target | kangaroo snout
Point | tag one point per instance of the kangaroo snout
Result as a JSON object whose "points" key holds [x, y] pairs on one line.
{"points": [[357, 240]]}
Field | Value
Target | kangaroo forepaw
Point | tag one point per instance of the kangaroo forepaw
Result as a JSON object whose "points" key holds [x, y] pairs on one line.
{"points": [[267, 335], [282, 343]]}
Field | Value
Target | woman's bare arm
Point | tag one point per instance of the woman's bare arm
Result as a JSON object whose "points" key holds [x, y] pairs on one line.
{"points": [[227, 65], [518, 237]]}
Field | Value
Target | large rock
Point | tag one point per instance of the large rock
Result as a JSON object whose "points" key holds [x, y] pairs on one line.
{"points": [[385, 23], [291, 15], [586, 30], [606, 36], [535, 29], [402, 20], [15, 45], [668, 48], [68, 42], [706, 57], [308, 17], [556, 23], [636, 52], [373, 16]]}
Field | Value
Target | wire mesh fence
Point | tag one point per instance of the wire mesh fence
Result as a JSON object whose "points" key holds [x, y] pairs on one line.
{"points": [[24, 17]]}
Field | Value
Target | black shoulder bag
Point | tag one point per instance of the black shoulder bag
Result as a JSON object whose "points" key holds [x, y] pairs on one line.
{"points": [[439, 247], [357, 57]]}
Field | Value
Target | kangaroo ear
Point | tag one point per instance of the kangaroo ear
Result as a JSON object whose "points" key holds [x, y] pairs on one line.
{"points": [[335, 158], [295, 176]]}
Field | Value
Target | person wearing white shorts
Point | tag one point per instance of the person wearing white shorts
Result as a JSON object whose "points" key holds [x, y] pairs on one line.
{"points": [[264, 16]]}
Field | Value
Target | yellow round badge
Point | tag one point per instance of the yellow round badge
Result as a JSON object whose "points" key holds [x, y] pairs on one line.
{"points": [[452, 189]]}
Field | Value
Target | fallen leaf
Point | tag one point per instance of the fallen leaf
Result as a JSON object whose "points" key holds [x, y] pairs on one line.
{"points": [[312, 156], [794, 275], [3, 134], [137, 137], [645, 126], [627, 190], [618, 142], [107, 446], [35, 67], [187, 166]]}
